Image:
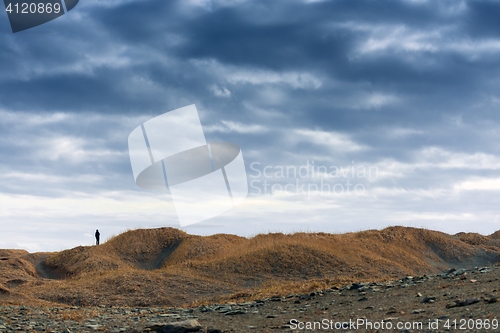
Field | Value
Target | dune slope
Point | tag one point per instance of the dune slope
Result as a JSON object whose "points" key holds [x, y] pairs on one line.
{"points": [[169, 267]]}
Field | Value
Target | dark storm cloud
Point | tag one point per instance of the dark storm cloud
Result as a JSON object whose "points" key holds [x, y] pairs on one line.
{"points": [[311, 37], [408, 86], [483, 18], [322, 38], [109, 67]]}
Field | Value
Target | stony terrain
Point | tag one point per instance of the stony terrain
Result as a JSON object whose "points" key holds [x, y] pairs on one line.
{"points": [[468, 298]]}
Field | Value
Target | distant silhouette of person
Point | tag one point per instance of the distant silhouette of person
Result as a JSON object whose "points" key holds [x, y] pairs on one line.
{"points": [[97, 236]]}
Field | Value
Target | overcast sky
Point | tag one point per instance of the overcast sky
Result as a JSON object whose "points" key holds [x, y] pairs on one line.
{"points": [[405, 93]]}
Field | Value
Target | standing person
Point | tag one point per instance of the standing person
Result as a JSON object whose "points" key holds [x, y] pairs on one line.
{"points": [[97, 236]]}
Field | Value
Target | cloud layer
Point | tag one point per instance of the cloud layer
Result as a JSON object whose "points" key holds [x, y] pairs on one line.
{"points": [[410, 88]]}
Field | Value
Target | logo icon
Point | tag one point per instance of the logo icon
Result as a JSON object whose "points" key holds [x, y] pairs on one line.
{"points": [[26, 14], [204, 179]]}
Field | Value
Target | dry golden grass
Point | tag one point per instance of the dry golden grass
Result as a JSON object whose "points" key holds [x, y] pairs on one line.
{"points": [[377, 254], [82, 260], [201, 248], [141, 247], [4, 290], [15, 260], [168, 267], [495, 235], [473, 238]]}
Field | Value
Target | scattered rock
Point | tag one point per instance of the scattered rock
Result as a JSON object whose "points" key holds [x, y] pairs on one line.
{"points": [[466, 302], [491, 299], [429, 299], [357, 286], [235, 312], [223, 309], [273, 312], [392, 310], [190, 325]]}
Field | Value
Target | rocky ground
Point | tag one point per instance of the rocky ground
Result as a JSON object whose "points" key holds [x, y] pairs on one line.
{"points": [[457, 300]]}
